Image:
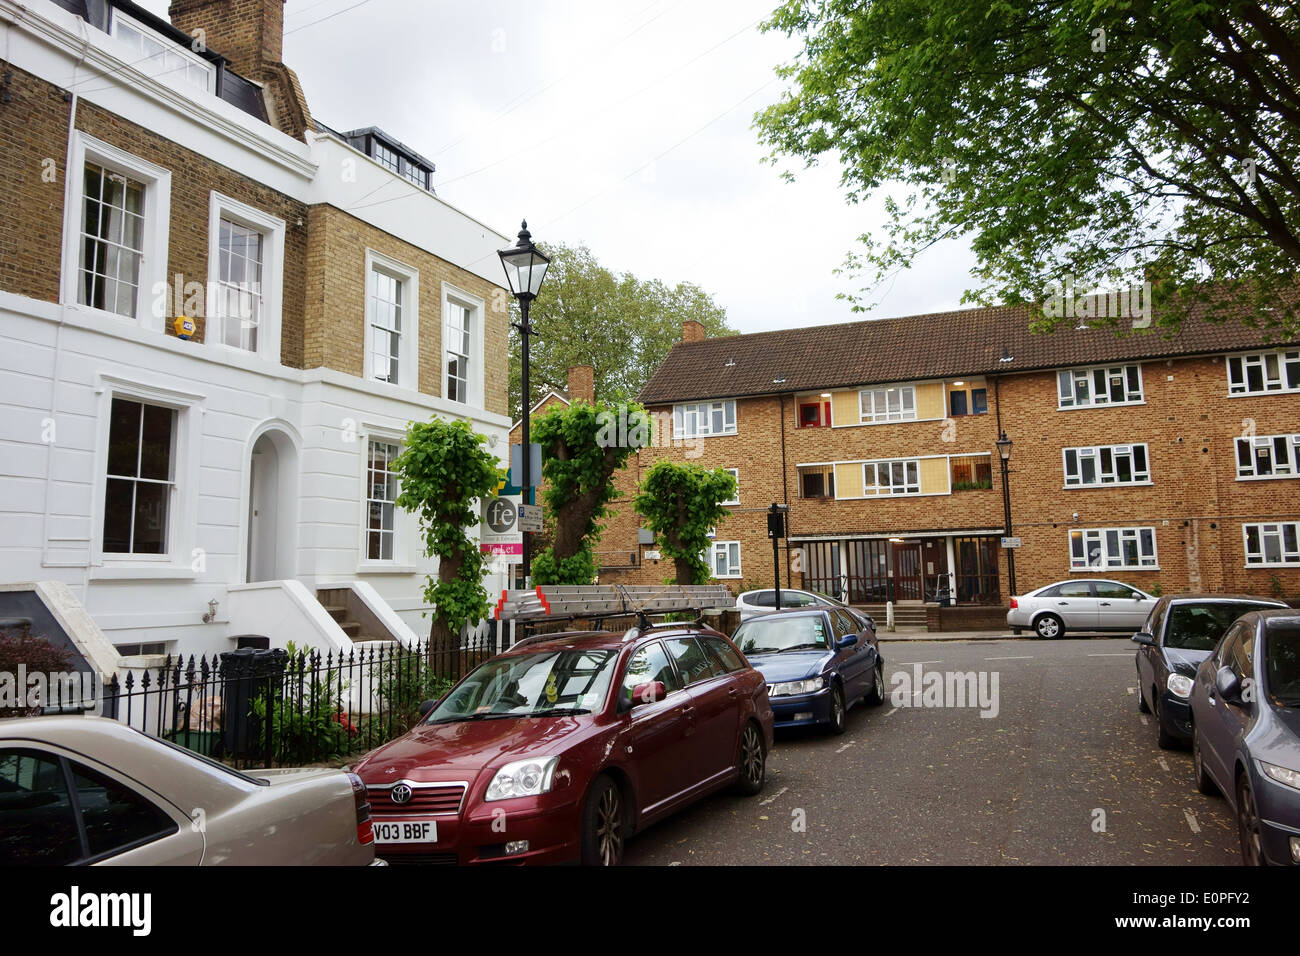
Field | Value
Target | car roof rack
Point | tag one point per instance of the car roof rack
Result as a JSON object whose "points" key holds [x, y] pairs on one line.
{"points": [[599, 601]]}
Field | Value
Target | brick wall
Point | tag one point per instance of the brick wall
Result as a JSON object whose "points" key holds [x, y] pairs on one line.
{"points": [[336, 291]]}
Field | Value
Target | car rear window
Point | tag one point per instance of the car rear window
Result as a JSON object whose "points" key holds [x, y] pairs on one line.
{"points": [[1199, 627]]}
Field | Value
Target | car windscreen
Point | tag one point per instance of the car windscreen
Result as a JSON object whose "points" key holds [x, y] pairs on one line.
{"points": [[766, 635], [1198, 627], [1282, 665], [546, 682]]}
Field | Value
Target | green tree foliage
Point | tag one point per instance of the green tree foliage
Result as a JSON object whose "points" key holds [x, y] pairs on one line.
{"points": [[583, 445], [620, 325], [680, 503], [444, 470], [1108, 140]]}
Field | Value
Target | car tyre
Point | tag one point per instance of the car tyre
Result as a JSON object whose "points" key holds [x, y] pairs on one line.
{"points": [[876, 696], [839, 712], [1252, 852], [1164, 739], [1143, 707], [604, 824], [752, 761], [1049, 627], [1204, 782]]}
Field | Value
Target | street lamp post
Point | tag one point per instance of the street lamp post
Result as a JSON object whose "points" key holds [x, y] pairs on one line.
{"points": [[1004, 452], [525, 268]]}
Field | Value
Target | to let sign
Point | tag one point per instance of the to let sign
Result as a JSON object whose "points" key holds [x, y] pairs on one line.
{"points": [[500, 535]]}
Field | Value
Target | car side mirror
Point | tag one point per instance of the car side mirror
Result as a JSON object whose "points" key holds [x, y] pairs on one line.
{"points": [[848, 640], [427, 706], [648, 693], [1228, 684], [1142, 637]]}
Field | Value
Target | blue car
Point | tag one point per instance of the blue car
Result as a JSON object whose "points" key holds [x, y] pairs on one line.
{"points": [[1246, 732], [818, 662]]}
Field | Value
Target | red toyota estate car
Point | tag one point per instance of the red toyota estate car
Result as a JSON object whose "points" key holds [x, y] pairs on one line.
{"points": [[563, 746]]}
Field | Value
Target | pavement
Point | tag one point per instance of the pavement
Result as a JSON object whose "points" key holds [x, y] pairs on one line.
{"points": [[907, 634], [1064, 770]]}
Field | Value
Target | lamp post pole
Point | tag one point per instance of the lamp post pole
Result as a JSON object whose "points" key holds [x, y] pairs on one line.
{"points": [[525, 268], [1004, 451]]}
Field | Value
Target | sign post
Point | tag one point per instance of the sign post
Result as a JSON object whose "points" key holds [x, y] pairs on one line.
{"points": [[776, 530]]}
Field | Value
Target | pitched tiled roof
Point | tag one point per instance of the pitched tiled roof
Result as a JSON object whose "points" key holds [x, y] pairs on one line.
{"points": [[937, 345]]}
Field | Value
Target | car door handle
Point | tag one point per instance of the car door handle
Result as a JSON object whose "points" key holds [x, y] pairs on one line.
{"points": [[1063, 603], [1105, 604], [732, 692]]}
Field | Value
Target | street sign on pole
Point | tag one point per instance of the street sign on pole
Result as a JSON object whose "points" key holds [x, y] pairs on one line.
{"points": [[530, 518], [1010, 542]]}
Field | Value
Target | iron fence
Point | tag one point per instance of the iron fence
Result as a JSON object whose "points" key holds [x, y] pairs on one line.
{"points": [[271, 708]]}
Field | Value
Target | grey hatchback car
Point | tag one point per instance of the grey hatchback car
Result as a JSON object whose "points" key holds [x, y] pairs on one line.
{"points": [[1246, 732]]}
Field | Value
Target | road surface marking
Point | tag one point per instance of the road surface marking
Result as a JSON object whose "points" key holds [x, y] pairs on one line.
{"points": [[1132, 691], [892, 712], [911, 663], [1191, 821], [1120, 654], [1143, 718], [1163, 766], [763, 803], [1026, 658], [845, 747]]}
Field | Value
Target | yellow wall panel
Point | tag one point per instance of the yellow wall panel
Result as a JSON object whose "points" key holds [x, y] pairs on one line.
{"points": [[934, 476], [848, 480], [845, 409], [929, 401]]}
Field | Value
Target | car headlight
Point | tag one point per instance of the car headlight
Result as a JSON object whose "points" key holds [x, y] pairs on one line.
{"points": [[793, 688], [1179, 685], [522, 778], [1282, 775]]}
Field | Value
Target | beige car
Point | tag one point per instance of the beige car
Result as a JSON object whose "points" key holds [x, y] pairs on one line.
{"points": [[92, 790]]}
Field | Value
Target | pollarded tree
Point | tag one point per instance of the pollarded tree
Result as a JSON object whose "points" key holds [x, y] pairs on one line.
{"points": [[582, 446], [680, 503], [444, 470]]}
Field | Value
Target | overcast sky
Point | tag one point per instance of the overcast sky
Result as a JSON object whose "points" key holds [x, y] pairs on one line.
{"points": [[622, 124]]}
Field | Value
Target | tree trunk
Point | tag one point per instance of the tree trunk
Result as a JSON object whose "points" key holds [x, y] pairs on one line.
{"points": [[683, 568], [444, 642]]}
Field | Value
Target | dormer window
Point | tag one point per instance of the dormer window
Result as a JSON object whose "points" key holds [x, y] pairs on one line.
{"points": [[159, 56]]}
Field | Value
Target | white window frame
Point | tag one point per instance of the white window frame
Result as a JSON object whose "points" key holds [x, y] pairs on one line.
{"points": [[154, 297], [1278, 529], [1101, 537], [700, 415], [1289, 468], [909, 487], [408, 357], [476, 383], [724, 547], [1239, 385], [1088, 375], [873, 405], [405, 526], [1105, 479], [271, 320], [735, 473], [182, 510], [138, 61]]}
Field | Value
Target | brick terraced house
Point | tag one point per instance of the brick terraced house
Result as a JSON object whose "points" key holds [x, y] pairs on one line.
{"points": [[1170, 461], [217, 317]]}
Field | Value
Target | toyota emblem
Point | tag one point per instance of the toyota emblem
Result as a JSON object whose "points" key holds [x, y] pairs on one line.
{"points": [[401, 793]]}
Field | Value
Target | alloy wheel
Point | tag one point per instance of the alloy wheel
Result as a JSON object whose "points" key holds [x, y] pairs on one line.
{"points": [[1252, 853], [609, 827], [751, 756]]}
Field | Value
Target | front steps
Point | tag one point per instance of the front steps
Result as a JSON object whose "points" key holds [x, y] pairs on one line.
{"points": [[350, 616]]}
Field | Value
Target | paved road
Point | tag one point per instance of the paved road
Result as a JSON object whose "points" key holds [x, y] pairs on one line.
{"points": [[945, 785]]}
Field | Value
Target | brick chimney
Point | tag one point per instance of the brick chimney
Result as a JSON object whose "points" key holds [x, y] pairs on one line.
{"points": [[250, 34], [582, 384], [693, 331]]}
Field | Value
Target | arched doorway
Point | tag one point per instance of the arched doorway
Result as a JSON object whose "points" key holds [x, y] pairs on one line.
{"points": [[271, 542]]}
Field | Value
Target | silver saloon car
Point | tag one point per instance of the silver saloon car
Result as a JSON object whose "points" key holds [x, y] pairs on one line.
{"points": [[90, 790], [1083, 604]]}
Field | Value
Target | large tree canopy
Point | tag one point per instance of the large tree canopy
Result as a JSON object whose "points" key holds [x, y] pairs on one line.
{"points": [[620, 325], [1106, 141]]}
